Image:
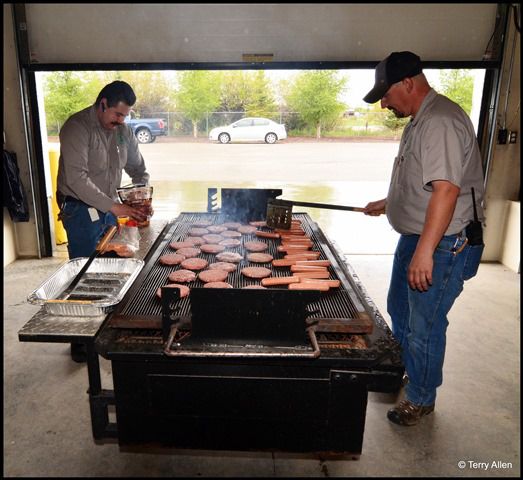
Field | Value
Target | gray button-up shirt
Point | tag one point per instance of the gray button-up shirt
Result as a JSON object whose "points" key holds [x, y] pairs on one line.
{"points": [[438, 144], [92, 160]]}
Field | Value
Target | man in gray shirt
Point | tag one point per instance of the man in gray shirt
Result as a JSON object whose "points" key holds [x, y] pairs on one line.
{"points": [[430, 203], [95, 147]]}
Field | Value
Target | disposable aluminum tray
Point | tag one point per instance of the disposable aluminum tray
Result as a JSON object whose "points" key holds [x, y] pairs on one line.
{"points": [[101, 288]]}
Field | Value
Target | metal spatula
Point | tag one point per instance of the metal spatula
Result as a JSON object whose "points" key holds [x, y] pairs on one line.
{"points": [[100, 247], [279, 212]]}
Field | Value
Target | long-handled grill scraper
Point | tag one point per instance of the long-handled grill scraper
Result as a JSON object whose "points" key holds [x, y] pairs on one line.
{"points": [[279, 212]]}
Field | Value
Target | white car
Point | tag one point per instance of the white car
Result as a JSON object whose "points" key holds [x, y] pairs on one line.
{"points": [[249, 129]]}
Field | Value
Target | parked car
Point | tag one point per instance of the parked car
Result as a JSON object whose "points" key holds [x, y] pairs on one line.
{"points": [[146, 129], [249, 129]]}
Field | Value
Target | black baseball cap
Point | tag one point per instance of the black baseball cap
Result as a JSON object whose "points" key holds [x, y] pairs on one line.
{"points": [[396, 67]]}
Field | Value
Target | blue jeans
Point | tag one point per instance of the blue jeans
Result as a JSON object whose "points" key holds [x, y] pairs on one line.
{"points": [[419, 319], [83, 234]]}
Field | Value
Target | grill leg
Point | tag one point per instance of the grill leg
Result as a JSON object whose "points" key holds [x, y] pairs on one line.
{"points": [[99, 399]]}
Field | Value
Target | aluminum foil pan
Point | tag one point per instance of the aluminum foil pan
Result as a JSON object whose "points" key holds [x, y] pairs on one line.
{"points": [[101, 288]]}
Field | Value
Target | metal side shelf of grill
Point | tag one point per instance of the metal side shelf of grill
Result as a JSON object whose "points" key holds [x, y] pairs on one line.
{"points": [[45, 327]]}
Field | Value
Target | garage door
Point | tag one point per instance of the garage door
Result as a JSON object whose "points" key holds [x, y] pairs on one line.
{"points": [[166, 33]]}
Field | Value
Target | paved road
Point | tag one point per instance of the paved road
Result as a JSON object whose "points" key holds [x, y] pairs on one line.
{"points": [[282, 162]]}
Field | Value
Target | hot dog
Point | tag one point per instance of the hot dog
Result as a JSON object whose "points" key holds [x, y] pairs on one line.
{"points": [[308, 268], [312, 274], [284, 262], [292, 248], [304, 242], [291, 232], [273, 281], [323, 287], [323, 263], [330, 283], [306, 255]]}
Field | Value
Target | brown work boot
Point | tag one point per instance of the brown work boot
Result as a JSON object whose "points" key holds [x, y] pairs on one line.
{"points": [[408, 414]]}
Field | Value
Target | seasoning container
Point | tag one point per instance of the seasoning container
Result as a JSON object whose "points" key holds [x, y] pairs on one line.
{"points": [[138, 196]]}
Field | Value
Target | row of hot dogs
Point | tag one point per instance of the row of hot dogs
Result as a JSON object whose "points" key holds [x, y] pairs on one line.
{"points": [[308, 272]]}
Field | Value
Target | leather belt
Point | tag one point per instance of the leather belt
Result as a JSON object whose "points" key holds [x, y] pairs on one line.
{"points": [[61, 199]]}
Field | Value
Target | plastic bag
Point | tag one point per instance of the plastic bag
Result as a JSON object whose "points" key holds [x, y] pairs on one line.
{"points": [[126, 241]]}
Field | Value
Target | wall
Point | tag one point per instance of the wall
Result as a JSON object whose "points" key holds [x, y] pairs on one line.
{"points": [[504, 173], [511, 252], [20, 239], [9, 239]]}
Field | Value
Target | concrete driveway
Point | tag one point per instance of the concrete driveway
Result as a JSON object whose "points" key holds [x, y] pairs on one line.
{"points": [[287, 161]]}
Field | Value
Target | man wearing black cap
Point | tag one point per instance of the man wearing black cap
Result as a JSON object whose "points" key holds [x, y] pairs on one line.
{"points": [[430, 203]]}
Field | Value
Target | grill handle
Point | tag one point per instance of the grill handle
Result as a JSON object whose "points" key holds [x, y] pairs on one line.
{"points": [[188, 353]]}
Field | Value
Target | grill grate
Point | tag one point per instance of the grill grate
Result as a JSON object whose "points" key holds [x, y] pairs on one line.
{"points": [[336, 303]]}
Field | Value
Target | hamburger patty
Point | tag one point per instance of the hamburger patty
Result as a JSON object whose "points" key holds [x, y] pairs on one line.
{"points": [[256, 272], [213, 275], [216, 228], [232, 225], [198, 232], [260, 257], [247, 229], [227, 266], [195, 240], [212, 248], [189, 252], [183, 276], [212, 238], [202, 224], [255, 246], [171, 259], [231, 234], [230, 243], [229, 257], [194, 263]]}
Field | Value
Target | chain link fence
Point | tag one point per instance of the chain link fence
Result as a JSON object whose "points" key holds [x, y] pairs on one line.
{"points": [[351, 123]]}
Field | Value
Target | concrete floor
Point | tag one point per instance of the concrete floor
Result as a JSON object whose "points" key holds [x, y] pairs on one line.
{"points": [[47, 430]]}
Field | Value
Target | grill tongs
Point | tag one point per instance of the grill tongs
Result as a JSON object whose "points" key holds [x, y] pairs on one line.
{"points": [[279, 212]]}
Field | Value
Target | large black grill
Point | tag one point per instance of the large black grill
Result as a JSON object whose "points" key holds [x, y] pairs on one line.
{"points": [[225, 394]]}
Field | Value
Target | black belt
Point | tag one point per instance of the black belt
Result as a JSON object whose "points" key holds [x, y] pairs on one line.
{"points": [[61, 199]]}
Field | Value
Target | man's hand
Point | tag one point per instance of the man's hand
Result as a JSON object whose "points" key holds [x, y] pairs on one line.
{"points": [[122, 210], [439, 213], [375, 208], [419, 273]]}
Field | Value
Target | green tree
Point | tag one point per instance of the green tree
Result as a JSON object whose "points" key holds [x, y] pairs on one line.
{"points": [[458, 85], [260, 102], [68, 92], [154, 92], [198, 93], [234, 92], [314, 96], [249, 92], [64, 94], [394, 123]]}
